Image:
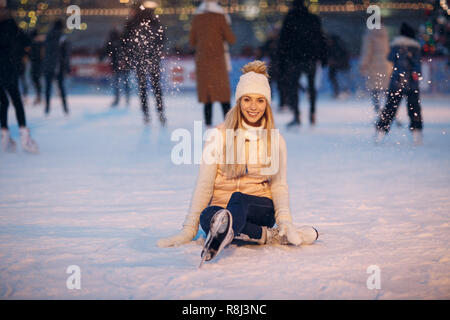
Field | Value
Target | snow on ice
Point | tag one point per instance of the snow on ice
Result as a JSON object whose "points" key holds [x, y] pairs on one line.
{"points": [[104, 190]]}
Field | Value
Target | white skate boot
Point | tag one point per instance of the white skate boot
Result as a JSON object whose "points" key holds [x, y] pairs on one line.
{"points": [[8, 144], [417, 137], [379, 136], [219, 236], [308, 235], [28, 144]]}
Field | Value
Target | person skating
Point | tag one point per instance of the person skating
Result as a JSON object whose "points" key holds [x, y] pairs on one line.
{"points": [[114, 50], [22, 46], [56, 63], [270, 50], [251, 195], [338, 61], [301, 45], [210, 35], [143, 48], [405, 55], [9, 85], [37, 44]]}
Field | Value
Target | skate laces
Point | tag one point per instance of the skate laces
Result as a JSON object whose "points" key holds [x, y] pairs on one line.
{"points": [[273, 236]]}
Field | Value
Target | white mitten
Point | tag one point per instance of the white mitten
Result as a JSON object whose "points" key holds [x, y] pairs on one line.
{"points": [[290, 231], [186, 235], [309, 234]]}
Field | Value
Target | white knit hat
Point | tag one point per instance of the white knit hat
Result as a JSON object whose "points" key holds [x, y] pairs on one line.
{"points": [[253, 83]]}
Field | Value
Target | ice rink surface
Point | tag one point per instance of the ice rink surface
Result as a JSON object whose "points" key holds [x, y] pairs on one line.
{"points": [[103, 190]]}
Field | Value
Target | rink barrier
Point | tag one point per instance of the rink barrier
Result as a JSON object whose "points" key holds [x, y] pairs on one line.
{"points": [[178, 74]]}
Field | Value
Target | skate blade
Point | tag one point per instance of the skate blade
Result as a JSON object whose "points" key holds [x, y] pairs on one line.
{"points": [[202, 261]]}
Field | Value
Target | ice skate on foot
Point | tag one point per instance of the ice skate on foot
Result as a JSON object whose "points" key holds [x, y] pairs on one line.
{"points": [[37, 101], [312, 119], [146, 119], [379, 136], [293, 124], [28, 144], [162, 119], [417, 137], [219, 236], [8, 144]]}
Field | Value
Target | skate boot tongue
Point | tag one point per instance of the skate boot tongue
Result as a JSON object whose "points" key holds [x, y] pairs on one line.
{"points": [[223, 224]]}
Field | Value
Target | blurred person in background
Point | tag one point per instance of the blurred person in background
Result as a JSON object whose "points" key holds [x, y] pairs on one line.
{"points": [[405, 54], [9, 84], [374, 65], [270, 50], [37, 45], [56, 63], [301, 45], [22, 46], [210, 29], [120, 70], [143, 40], [338, 61]]}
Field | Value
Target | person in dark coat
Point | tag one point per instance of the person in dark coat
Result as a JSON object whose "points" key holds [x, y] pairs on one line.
{"points": [[338, 60], [9, 84], [22, 44], [144, 38], [301, 45], [37, 45], [56, 63], [113, 49], [405, 54], [269, 49]]}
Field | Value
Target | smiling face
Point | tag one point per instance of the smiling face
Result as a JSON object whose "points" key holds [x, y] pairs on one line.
{"points": [[253, 107]]}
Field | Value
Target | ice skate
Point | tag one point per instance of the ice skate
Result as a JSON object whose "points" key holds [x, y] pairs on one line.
{"points": [[219, 236], [162, 119], [312, 119], [308, 235], [379, 136], [295, 123], [417, 137], [146, 119], [37, 101], [28, 144], [8, 144]]}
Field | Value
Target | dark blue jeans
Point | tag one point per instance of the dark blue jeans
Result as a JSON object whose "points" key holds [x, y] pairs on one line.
{"points": [[250, 214]]}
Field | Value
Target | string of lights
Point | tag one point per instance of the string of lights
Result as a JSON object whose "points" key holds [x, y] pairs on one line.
{"points": [[281, 8], [30, 11]]}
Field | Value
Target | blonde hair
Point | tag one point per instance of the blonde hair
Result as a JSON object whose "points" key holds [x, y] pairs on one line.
{"points": [[233, 120]]}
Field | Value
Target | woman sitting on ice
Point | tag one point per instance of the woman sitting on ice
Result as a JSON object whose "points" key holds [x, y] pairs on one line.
{"points": [[250, 195]]}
